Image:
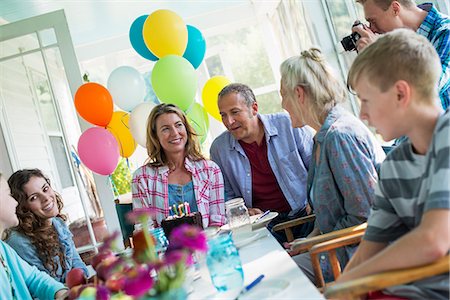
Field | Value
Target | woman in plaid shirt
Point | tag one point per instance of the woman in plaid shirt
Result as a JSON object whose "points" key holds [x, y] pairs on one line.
{"points": [[176, 171]]}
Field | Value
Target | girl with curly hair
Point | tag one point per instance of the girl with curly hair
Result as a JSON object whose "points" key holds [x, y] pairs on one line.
{"points": [[19, 279], [42, 238]]}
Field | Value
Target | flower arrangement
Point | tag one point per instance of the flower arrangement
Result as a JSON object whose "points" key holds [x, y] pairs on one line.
{"points": [[144, 275]]}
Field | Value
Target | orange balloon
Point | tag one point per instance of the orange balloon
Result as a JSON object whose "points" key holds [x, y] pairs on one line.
{"points": [[94, 103]]}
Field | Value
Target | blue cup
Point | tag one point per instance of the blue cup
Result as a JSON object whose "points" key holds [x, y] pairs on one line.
{"points": [[224, 264]]}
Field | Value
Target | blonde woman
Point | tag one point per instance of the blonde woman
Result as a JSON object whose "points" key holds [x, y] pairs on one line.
{"points": [[176, 170], [343, 171]]}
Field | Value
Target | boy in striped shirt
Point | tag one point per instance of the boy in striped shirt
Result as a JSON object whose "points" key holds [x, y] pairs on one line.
{"points": [[396, 79]]}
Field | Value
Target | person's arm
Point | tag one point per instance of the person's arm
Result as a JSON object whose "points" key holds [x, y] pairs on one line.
{"points": [[304, 138], [216, 200], [442, 46], [355, 175], [38, 283], [215, 157], [422, 245], [77, 262], [366, 250]]}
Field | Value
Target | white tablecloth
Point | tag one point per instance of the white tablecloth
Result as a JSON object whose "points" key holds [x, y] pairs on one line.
{"points": [[263, 256]]}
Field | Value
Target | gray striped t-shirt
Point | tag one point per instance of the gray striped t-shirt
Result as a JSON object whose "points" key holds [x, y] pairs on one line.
{"points": [[409, 186]]}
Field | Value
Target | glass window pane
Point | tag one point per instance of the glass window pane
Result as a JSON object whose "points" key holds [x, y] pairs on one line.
{"points": [[47, 37], [19, 45], [214, 66], [244, 47], [62, 163], [269, 103]]}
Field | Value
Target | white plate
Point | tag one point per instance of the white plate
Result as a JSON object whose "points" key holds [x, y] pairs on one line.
{"points": [[258, 224], [267, 289], [245, 238]]}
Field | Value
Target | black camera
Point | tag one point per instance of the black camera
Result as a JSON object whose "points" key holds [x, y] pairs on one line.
{"points": [[349, 42]]}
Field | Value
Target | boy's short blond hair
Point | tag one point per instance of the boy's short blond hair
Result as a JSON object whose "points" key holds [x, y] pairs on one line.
{"points": [[400, 54], [384, 4]]}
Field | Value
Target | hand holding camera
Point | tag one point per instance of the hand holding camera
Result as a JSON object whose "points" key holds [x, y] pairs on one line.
{"points": [[361, 37]]}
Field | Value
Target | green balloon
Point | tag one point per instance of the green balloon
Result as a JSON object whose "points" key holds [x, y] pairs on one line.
{"points": [[174, 81], [198, 118]]}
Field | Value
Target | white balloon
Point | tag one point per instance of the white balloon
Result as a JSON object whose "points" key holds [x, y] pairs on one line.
{"points": [[138, 122], [127, 87]]}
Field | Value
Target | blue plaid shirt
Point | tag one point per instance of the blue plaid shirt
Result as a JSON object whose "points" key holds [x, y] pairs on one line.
{"points": [[436, 28]]}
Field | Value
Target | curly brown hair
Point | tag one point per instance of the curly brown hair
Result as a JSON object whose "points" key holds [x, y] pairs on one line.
{"points": [[43, 237]]}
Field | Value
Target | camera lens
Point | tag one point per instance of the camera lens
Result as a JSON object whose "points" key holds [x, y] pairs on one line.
{"points": [[349, 42]]}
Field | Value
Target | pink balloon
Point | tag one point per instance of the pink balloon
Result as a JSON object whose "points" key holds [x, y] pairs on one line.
{"points": [[99, 150]]}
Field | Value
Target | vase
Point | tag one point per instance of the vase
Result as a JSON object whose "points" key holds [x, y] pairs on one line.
{"points": [[173, 294]]}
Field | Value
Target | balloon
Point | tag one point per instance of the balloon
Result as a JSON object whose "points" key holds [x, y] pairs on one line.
{"points": [[137, 40], [98, 150], [174, 81], [165, 33], [195, 50], [210, 94], [127, 87], [198, 118], [138, 122], [94, 103], [119, 127], [150, 94]]}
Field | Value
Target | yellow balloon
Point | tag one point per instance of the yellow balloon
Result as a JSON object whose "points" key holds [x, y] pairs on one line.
{"points": [[210, 94], [165, 33], [119, 127]]}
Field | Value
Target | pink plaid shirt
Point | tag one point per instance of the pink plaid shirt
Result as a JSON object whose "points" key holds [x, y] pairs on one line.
{"points": [[150, 187]]}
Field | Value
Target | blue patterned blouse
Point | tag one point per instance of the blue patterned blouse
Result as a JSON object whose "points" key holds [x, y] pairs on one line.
{"points": [[341, 182]]}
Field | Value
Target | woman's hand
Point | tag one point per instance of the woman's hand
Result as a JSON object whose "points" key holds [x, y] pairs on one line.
{"points": [[62, 294]]}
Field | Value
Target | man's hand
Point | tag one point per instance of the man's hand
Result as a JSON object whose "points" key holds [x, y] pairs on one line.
{"points": [[366, 36], [254, 211]]}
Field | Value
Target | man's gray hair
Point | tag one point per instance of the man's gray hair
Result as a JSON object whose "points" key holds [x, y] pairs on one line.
{"points": [[239, 88]]}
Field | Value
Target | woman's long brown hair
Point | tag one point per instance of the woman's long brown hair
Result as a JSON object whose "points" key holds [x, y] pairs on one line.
{"points": [[44, 238]]}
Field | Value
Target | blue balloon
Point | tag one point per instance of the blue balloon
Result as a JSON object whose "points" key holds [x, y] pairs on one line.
{"points": [[196, 47], [137, 40]]}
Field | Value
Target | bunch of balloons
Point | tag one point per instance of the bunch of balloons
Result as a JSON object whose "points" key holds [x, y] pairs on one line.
{"points": [[178, 49], [100, 147]]}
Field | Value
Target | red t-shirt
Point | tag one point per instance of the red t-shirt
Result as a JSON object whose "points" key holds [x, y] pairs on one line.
{"points": [[266, 192]]}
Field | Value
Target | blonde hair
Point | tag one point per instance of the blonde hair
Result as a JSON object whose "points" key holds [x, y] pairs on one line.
{"points": [[401, 54], [310, 71], [156, 154], [384, 4]]}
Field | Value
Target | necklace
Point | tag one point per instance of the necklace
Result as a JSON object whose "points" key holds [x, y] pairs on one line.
{"points": [[8, 273]]}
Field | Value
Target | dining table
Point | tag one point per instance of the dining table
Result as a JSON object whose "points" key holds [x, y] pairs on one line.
{"points": [[261, 254]]}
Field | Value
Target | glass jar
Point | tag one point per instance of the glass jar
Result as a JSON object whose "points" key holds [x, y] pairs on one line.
{"points": [[224, 265], [237, 214]]}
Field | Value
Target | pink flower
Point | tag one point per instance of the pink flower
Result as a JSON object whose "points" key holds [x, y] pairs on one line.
{"points": [[174, 257], [188, 237], [108, 242], [138, 281], [138, 215]]}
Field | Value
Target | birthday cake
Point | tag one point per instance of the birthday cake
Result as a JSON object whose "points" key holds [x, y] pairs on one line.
{"points": [[171, 222]]}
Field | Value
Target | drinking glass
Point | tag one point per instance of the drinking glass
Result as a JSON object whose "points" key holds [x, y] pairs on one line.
{"points": [[224, 265]]}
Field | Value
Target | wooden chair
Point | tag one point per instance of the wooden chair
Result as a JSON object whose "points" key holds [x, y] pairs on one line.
{"points": [[350, 238], [358, 287], [306, 244], [287, 226]]}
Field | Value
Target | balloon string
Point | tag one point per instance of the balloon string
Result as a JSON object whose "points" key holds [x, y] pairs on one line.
{"points": [[116, 192]]}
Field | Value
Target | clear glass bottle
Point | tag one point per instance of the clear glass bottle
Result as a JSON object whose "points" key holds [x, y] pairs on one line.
{"points": [[237, 214]]}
